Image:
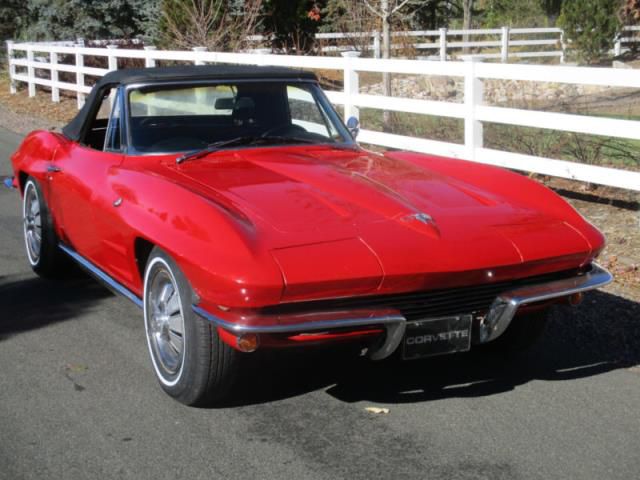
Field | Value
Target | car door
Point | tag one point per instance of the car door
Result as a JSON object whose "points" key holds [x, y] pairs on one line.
{"points": [[82, 196]]}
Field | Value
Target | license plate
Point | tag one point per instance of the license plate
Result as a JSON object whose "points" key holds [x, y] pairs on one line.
{"points": [[437, 336]]}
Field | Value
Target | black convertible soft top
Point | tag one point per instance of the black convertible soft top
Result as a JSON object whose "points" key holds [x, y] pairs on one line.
{"points": [[74, 129]]}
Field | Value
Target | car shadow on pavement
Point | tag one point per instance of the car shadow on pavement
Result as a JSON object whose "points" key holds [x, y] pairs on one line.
{"points": [[601, 335], [33, 303]]}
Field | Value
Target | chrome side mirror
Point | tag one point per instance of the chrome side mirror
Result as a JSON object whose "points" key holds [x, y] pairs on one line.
{"points": [[353, 125]]}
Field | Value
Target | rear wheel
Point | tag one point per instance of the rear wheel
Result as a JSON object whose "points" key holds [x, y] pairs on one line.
{"points": [[191, 363], [40, 239]]}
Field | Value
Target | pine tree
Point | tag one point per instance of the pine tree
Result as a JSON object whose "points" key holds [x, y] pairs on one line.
{"points": [[590, 26], [68, 19], [12, 14]]}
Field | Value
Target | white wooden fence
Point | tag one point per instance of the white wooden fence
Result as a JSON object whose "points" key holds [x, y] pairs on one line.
{"points": [[26, 58], [628, 35], [443, 44]]}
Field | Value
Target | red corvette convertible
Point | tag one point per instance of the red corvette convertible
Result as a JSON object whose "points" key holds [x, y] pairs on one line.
{"points": [[233, 206]]}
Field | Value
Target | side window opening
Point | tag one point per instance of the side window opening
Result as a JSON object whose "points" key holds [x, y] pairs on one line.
{"points": [[97, 131], [306, 113], [112, 141]]}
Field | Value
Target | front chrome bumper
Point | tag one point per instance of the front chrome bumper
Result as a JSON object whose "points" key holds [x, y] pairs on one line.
{"points": [[500, 314], [393, 321]]}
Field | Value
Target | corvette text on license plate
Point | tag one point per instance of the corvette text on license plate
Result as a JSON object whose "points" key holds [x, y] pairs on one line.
{"points": [[437, 336]]}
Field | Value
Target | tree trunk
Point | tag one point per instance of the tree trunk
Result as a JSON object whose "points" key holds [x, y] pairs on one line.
{"points": [[467, 5], [386, 53]]}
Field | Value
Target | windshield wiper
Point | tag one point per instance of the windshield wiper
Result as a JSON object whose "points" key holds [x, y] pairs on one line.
{"points": [[330, 142], [247, 140], [212, 147]]}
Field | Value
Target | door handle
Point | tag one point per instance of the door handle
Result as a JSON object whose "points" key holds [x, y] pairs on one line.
{"points": [[53, 169]]}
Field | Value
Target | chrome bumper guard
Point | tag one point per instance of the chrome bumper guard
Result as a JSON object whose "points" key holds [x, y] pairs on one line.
{"points": [[495, 323], [505, 306]]}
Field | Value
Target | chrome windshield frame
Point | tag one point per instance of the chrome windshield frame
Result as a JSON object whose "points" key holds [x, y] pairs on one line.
{"points": [[318, 95]]}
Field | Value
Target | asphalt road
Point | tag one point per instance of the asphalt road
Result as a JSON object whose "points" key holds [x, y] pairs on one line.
{"points": [[78, 398]]}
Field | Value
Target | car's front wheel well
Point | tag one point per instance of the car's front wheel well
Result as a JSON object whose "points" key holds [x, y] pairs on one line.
{"points": [[142, 249], [22, 180]]}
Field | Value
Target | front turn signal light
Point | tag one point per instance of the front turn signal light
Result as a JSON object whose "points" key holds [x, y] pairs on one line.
{"points": [[576, 299], [248, 342]]}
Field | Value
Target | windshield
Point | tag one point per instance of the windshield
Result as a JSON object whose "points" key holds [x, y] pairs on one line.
{"points": [[166, 119]]}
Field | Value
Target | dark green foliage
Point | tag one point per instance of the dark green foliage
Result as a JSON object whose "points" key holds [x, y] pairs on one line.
{"points": [[292, 23], [68, 19], [513, 13], [552, 7], [590, 26], [12, 15], [433, 14]]}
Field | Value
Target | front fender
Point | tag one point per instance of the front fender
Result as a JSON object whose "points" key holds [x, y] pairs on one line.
{"points": [[514, 187], [34, 155], [219, 252]]}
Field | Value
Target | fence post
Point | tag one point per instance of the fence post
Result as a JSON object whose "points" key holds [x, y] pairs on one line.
{"points": [[563, 47], [149, 61], [473, 96], [79, 75], [351, 85], [376, 44], [31, 72], [443, 44], [112, 59], [617, 48], [12, 67], [199, 49], [55, 91], [504, 52]]}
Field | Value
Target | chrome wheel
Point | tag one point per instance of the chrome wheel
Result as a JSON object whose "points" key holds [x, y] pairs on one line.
{"points": [[190, 361], [164, 321], [32, 222]]}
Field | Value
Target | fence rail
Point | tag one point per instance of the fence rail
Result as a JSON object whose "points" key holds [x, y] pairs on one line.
{"points": [[452, 44], [448, 43], [24, 63]]}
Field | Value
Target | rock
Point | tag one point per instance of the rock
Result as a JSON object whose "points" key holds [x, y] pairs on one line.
{"points": [[440, 82]]}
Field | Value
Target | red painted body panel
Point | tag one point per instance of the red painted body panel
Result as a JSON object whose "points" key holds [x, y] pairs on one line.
{"points": [[260, 226], [82, 200]]}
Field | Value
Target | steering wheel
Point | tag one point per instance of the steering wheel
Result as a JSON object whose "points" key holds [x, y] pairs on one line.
{"points": [[283, 128]]}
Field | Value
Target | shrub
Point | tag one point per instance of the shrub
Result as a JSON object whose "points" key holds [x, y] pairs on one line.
{"points": [[591, 27]]}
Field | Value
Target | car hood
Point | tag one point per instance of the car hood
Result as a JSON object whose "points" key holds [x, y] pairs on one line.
{"points": [[397, 217]]}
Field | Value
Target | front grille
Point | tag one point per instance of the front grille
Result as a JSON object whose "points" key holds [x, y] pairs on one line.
{"points": [[417, 305]]}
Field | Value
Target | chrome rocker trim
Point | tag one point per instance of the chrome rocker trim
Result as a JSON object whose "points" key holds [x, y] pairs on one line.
{"points": [[100, 275], [505, 306]]}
